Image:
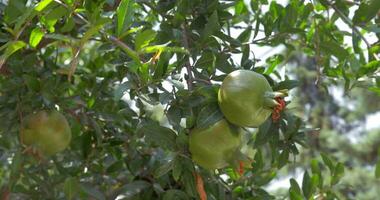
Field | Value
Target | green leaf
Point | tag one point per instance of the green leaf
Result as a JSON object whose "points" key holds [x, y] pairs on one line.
{"points": [[163, 48], [208, 116], [16, 167], [69, 25], [338, 173], [56, 13], [211, 27], [287, 84], [294, 195], [144, 38], [206, 61], [295, 192], [334, 48], [89, 33], [36, 36], [13, 10], [366, 11], [161, 136], [239, 7], [70, 187], [164, 169], [245, 35], [177, 168], [377, 170], [283, 158], [93, 192], [315, 166], [130, 52], [258, 163], [124, 16], [369, 68], [273, 62], [306, 185], [327, 160], [121, 89], [173, 194], [262, 135], [133, 188], [115, 167], [294, 186], [11, 48], [42, 5]]}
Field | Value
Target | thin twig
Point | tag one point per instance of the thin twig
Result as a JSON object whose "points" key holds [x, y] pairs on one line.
{"points": [[208, 82]]}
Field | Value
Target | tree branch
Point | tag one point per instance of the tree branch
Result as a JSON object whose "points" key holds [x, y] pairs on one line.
{"points": [[185, 43]]}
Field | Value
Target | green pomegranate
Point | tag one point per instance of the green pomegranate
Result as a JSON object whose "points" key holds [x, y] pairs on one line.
{"points": [[215, 147], [246, 98], [47, 132]]}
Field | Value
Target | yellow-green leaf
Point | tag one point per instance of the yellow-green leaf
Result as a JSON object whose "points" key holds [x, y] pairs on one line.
{"points": [[36, 36]]}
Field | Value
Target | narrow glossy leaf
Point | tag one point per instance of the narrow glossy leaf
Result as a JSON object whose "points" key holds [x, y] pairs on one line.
{"points": [[11, 48], [211, 27], [71, 188], [158, 135], [287, 84], [90, 32], [377, 170], [115, 167], [164, 169], [294, 186], [314, 182], [258, 163], [124, 16], [163, 48], [294, 195], [245, 57], [16, 165], [177, 168], [133, 188], [130, 52], [315, 166], [245, 35], [144, 38], [175, 195], [326, 159], [306, 185], [335, 49], [206, 61], [121, 89], [36, 36], [366, 11], [262, 135], [69, 25], [338, 173], [13, 10], [93, 192], [369, 68], [283, 158], [208, 116], [273, 62], [42, 5], [56, 13]]}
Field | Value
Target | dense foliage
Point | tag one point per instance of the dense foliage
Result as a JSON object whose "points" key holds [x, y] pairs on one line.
{"points": [[135, 77]]}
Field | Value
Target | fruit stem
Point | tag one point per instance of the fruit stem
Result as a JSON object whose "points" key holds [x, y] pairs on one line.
{"points": [[270, 102], [278, 93]]}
